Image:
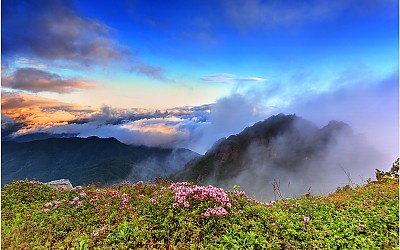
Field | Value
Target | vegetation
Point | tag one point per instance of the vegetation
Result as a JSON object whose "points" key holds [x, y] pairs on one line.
{"points": [[180, 215]]}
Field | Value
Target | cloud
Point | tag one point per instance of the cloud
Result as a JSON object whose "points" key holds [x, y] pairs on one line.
{"points": [[228, 116], [47, 117], [53, 31], [257, 14], [35, 80], [230, 78], [9, 126], [31, 112], [369, 105], [250, 79], [149, 70]]}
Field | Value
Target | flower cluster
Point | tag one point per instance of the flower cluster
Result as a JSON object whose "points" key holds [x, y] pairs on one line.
{"points": [[219, 211], [125, 200], [183, 191]]}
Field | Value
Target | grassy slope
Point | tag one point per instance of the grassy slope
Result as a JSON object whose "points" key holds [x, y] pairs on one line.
{"points": [[364, 217]]}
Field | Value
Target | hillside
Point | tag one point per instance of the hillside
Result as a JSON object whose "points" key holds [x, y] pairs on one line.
{"points": [[168, 215], [284, 149], [88, 160]]}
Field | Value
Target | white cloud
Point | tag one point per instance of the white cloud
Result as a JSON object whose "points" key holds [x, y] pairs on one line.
{"points": [[230, 78]]}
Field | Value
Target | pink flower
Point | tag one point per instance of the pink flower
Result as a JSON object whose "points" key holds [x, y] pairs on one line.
{"points": [[46, 210], [239, 211], [175, 205], [103, 228], [306, 219], [48, 204], [153, 201], [186, 204], [82, 193], [361, 225], [56, 204], [95, 233]]}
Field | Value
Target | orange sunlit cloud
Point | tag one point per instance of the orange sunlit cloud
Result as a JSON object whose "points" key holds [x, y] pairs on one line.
{"points": [[39, 112], [155, 126]]}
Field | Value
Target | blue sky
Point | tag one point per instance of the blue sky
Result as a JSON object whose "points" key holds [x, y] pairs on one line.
{"points": [[63, 61]]}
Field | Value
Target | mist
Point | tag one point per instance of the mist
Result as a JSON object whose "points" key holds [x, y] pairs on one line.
{"points": [[305, 159], [368, 106]]}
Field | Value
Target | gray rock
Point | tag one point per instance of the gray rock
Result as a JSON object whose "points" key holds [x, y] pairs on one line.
{"points": [[64, 184]]}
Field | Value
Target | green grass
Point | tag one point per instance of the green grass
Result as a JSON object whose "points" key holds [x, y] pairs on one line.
{"points": [[149, 216]]}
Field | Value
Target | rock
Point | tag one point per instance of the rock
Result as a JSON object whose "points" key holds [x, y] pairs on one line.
{"points": [[60, 184]]}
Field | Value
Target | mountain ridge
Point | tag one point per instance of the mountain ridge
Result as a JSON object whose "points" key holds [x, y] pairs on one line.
{"points": [[86, 160], [282, 147]]}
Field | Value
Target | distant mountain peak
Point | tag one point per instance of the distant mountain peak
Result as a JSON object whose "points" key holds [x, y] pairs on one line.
{"points": [[285, 147]]}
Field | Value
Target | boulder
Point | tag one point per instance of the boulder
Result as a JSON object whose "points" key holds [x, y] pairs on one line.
{"points": [[64, 184]]}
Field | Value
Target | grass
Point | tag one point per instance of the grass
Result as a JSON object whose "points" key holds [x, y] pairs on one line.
{"points": [[167, 215]]}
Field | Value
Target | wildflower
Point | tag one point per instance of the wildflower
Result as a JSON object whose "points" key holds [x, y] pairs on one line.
{"points": [[175, 205], [239, 211], [153, 201], [186, 204], [82, 193], [306, 219], [273, 202], [103, 228], [361, 226], [46, 210], [56, 204], [48, 204], [296, 205], [95, 233]]}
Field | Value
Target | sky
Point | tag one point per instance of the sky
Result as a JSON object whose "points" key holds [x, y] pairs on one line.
{"points": [[186, 73]]}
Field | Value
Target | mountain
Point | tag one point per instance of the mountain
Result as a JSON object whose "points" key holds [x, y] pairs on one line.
{"points": [[283, 152], [87, 160]]}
